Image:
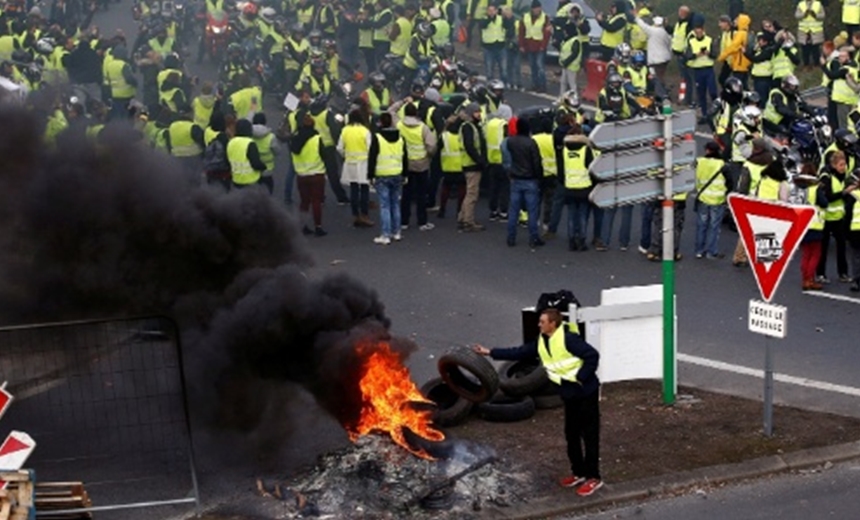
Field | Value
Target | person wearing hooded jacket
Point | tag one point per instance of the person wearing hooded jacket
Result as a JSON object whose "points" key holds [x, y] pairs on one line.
{"points": [[573, 160], [522, 161], [474, 163], [762, 65], [659, 46], [387, 162], [246, 166], [306, 150], [420, 143], [268, 147], [733, 53]]}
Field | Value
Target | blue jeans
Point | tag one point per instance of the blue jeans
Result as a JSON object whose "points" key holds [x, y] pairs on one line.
{"points": [[647, 219], [577, 214], [388, 190], [596, 214], [525, 194], [555, 211], [706, 84], [708, 222], [626, 224], [536, 65], [512, 68], [494, 57]]}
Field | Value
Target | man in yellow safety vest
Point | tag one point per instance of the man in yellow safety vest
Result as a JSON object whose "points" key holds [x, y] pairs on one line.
{"points": [[534, 32]]}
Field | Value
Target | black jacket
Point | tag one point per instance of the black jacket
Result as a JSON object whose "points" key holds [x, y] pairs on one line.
{"points": [[586, 379], [525, 158], [473, 144]]}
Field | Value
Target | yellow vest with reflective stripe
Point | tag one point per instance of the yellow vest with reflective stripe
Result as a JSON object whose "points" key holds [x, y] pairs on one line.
{"points": [[696, 46], [365, 38], [414, 137], [321, 126], [494, 32], [534, 27], [768, 189], [389, 162], [770, 113], [247, 101], [809, 24], [755, 174], [818, 219], [559, 363], [400, 46], [547, 153], [425, 49], [376, 101], [715, 193], [762, 69], [567, 49], [202, 112], [835, 210], [494, 133], [308, 161], [381, 34], [7, 47], [466, 158], [162, 49], [119, 87], [855, 214], [181, 142], [842, 92], [679, 37], [575, 172], [781, 64], [209, 135], [355, 145], [264, 146], [451, 153], [240, 168], [612, 39], [851, 12], [442, 32], [305, 14], [298, 47], [638, 78], [725, 40]]}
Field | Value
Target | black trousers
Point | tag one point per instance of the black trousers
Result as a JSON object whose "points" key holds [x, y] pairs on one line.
{"points": [[415, 190], [582, 433], [838, 230], [332, 171]]}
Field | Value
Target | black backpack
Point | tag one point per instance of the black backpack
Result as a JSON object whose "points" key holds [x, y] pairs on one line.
{"points": [[215, 157], [559, 300]]}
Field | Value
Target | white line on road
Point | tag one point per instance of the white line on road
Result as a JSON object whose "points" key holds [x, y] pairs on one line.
{"points": [[839, 297], [782, 378]]}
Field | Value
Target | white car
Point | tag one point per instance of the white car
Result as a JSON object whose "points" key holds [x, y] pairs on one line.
{"points": [[550, 7]]}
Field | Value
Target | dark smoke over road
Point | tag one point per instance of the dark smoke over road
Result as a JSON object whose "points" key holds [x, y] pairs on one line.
{"points": [[116, 230]]}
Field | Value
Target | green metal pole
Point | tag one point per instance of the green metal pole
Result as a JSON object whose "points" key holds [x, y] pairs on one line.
{"points": [[668, 264]]}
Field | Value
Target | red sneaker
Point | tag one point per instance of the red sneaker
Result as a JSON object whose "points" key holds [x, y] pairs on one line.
{"points": [[591, 485], [571, 481]]}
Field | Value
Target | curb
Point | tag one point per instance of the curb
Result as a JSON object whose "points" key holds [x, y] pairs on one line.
{"points": [[618, 494]]}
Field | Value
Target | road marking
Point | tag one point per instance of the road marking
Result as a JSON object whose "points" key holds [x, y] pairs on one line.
{"points": [[758, 373], [838, 297]]}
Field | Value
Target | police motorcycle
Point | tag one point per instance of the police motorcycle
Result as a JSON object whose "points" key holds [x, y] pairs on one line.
{"points": [[808, 133]]}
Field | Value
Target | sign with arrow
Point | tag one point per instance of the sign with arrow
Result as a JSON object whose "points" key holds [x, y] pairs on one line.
{"points": [[770, 232], [14, 452], [640, 189], [5, 399], [637, 161], [640, 130]]}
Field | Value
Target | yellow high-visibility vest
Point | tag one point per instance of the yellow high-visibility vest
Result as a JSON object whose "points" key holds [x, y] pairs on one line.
{"points": [[181, 142], [494, 32], [613, 39], [389, 162], [309, 161], [414, 137], [264, 147], [679, 37], [400, 45], [534, 27], [706, 169], [451, 153], [696, 46], [851, 12], [559, 363], [575, 172], [809, 23], [494, 133], [547, 153], [381, 34], [119, 87], [240, 167], [355, 145]]}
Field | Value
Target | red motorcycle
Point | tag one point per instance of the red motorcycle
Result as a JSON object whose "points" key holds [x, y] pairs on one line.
{"points": [[217, 35]]}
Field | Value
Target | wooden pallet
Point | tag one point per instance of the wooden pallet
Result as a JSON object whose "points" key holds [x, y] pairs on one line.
{"points": [[16, 501], [26, 497]]}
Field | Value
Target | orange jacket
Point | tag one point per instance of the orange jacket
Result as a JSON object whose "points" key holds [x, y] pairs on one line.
{"points": [[735, 50]]}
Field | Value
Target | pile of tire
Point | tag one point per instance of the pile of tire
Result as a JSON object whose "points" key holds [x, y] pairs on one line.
{"points": [[469, 382]]}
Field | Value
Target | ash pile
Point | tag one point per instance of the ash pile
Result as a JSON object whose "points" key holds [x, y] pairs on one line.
{"points": [[374, 478]]}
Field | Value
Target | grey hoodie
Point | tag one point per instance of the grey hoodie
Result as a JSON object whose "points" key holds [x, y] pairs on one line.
{"points": [[429, 144]]}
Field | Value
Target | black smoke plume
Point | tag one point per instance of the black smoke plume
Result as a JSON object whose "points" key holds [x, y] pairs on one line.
{"points": [[115, 229]]}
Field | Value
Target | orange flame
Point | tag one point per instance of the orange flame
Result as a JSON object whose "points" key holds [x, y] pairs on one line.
{"points": [[387, 391]]}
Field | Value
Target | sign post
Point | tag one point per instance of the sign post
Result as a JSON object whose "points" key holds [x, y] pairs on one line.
{"points": [[770, 232], [645, 159]]}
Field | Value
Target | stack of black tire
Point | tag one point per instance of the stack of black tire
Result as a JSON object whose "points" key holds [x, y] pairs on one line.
{"points": [[469, 382]]}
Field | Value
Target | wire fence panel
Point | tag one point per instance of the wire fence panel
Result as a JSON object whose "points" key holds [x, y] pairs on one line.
{"points": [[105, 402]]}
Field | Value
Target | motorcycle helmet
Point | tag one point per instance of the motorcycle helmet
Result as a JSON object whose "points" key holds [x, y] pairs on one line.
{"points": [[750, 115], [789, 84], [571, 100], [298, 29], [622, 53], [377, 80], [446, 51], [479, 93], [250, 10], [844, 139], [329, 45], [20, 56], [752, 98], [497, 86], [733, 90], [267, 14], [638, 59], [614, 81], [418, 87], [315, 36], [45, 46], [425, 30], [448, 66], [315, 53], [319, 102], [436, 83], [317, 67], [802, 133]]}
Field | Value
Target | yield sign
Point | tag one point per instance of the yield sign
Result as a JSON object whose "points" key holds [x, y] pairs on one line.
{"points": [[771, 232]]}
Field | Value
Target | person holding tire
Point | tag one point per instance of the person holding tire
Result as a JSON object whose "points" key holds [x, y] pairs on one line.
{"points": [[571, 363]]}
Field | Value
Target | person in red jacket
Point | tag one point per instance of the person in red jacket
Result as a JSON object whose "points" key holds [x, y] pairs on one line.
{"points": [[535, 29]]}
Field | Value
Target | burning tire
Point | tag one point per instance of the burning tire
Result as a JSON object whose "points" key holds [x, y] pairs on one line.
{"points": [[548, 397], [503, 408], [519, 378], [451, 408], [469, 374]]}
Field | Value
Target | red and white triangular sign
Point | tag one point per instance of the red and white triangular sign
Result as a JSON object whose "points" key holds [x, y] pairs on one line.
{"points": [[770, 231], [14, 452], [5, 399]]}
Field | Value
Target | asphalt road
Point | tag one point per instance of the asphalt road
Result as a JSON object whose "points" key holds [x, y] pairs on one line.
{"points": [[830, 493], [446, 289]]}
